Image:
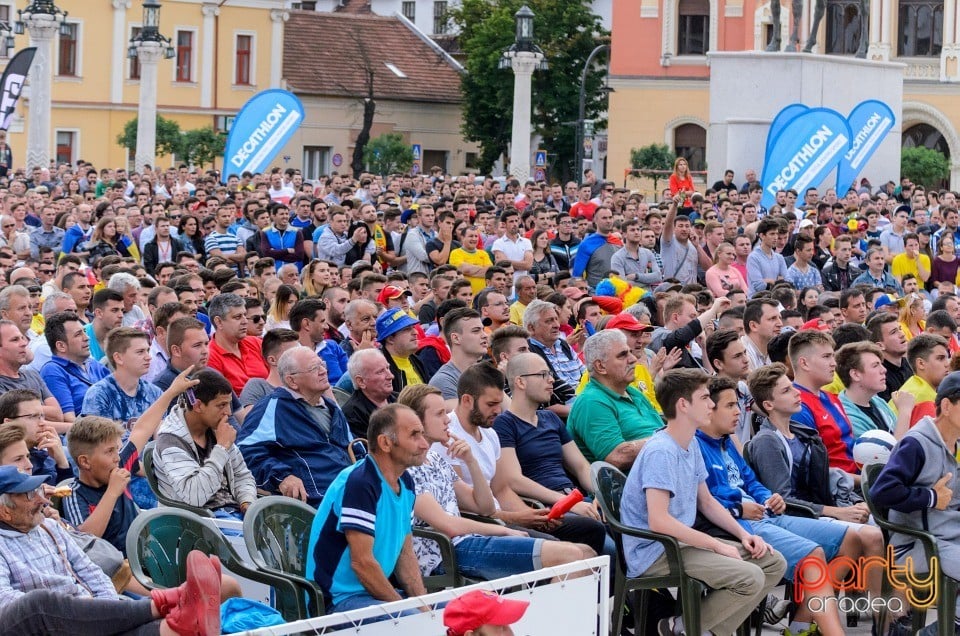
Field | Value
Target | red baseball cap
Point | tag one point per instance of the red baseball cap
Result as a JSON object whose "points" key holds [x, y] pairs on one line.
{"points": [[390, 292], [475, 609], [627, 322], [573, 293], [815, 325]]}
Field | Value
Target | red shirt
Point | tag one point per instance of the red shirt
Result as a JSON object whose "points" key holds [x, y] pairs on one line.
{"points": [[236, 370], [585, 209]]}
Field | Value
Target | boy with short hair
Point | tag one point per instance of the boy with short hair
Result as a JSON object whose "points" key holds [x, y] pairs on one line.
{"points": [[46, 453], [13, 448], [100, 504], [665, 490]]}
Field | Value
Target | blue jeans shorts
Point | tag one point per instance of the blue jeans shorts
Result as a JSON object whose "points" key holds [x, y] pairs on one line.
{"points": [[796, 537], [488, 558]]}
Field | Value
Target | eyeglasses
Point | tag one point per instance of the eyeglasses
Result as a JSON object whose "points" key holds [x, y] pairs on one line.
{"points": [[31, 495], [46, 271], [34, 417], [257, 319], [312, 370], [544, 375], [6, 225]]}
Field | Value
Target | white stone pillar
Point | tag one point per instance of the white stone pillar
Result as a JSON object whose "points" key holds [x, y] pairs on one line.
{"points": [[523, 63], [208, 57], [886, 29], [42, 28], [277, 18], [949, 72], [120, 42], [149, 54]]}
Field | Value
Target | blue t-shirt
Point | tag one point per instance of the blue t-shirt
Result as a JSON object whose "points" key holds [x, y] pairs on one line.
{"points": [[107, 399], [663, 465], [85, 498], [358, 499], [539, 448]]}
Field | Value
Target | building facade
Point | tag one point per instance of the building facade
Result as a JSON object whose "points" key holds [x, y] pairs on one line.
{"points": [[413, 83], [224, 54], [660, 73]]}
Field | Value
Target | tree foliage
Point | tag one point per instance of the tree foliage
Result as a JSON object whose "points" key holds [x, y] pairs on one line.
{"points": [[201, 146], [567, 31], [388, 154], [168, 136], [652, 157], [924, 166]]}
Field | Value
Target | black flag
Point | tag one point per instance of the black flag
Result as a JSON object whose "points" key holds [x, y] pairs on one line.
{"points": [[12, 83]]}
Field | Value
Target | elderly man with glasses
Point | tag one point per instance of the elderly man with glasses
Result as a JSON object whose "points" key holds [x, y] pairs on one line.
{"points": [[295, 441]]}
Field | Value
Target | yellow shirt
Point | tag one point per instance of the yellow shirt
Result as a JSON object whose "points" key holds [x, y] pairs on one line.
{"points": [[479, 258], [903, 264], [516, 313], [407, 369], [834, 387], [643, 382]]}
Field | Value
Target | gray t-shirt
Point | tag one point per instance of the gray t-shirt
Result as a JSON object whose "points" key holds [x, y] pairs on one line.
{"points": [[679, 261], [29, 379], [254, 390], [662, 465], [446, 379]]}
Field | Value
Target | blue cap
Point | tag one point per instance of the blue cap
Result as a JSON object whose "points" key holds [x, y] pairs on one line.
{"points": [[391, 321], [406, 214], [13, 481]]}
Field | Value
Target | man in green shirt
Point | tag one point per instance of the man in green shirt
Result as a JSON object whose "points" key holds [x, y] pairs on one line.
{"points": [[611, 419]]}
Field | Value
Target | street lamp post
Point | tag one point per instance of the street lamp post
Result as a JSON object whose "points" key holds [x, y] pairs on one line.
{"points": [[581, 136], [524, 57], [43, 20], [148, 46]]}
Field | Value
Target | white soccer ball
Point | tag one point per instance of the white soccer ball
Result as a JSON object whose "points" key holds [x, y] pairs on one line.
{"points": [[873, 447]]}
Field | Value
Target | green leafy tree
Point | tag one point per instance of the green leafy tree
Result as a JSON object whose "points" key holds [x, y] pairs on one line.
{"points": [[388, 154], [201, 146], [924, 166], [651, 158], [168, 136], [567, 31]]}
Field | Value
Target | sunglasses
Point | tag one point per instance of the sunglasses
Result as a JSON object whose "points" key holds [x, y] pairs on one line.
{"points": [[257, 319]]}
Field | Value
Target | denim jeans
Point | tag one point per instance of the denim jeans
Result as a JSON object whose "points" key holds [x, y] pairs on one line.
{"points": [[491, 558], [41, 612], [359, 601]]}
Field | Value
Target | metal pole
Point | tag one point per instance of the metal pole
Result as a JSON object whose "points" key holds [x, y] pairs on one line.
{"points": [[578, 168]]}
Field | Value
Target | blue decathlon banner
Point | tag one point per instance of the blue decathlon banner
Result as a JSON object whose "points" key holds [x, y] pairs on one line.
{"points": [[870, 121], [804, 152], [265, 123], [784, 117]]}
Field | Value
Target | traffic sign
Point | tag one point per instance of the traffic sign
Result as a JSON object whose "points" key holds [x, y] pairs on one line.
{"points": [[539, 174], [337, 160], [416, 153], [541, 160], [415, 169]]}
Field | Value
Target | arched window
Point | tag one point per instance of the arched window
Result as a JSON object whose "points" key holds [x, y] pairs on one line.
{"points": [[690, 142], [921, 28], [925, 135], [844, 27]]}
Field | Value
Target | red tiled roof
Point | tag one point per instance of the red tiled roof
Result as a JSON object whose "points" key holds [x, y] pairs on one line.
{"points": [[325, 53]]}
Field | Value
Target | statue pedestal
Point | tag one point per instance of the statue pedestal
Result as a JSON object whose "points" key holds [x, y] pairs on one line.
{"points": [[748, 89]]}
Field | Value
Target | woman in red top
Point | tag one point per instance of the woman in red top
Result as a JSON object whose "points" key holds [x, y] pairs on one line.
{"points": [[681, 181]]}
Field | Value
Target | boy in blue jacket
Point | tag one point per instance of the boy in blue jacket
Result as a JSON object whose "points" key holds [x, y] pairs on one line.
{"points": [[760, 512]]}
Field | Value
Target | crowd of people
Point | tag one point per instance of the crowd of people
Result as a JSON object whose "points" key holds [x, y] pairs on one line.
{"points": [[398, 351]]}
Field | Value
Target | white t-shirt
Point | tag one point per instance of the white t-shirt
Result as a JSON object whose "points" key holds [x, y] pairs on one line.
{"points": [[487, 450], [514, 250]]}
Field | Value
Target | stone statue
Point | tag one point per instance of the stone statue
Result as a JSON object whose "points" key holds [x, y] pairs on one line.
{"points": [[818, 12]]}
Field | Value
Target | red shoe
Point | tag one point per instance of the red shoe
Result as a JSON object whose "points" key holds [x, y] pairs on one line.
{"points": [[197, 612]]}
